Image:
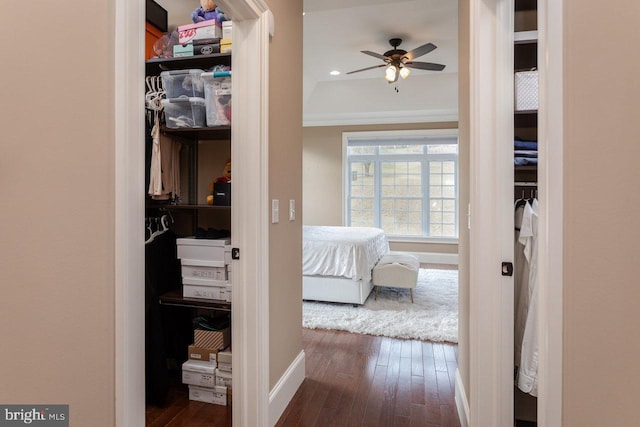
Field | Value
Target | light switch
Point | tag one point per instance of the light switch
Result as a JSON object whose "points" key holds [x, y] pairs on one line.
{"points": [[292, 210], [275, 211]]}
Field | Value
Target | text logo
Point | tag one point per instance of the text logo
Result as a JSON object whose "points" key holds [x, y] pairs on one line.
{"points": [[36, 415]]}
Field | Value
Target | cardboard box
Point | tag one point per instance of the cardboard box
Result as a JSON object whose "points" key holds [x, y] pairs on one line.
{"points": [[216, 395], [206, 49], [202, 249], [212, 339], [201, 30], [225, 367], [224, 361], [207, 270], [202, 354], [198, 373], [227, 27], [223, 378], [225, 357], [181, 51], [207, 289]]}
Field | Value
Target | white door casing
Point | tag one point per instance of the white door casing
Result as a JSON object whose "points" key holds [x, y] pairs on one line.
{"points": [[253, 22], [491, 234], [491, 199]]}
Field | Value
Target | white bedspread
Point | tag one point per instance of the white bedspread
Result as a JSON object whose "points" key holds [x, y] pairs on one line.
{"points": [[342, 251]]}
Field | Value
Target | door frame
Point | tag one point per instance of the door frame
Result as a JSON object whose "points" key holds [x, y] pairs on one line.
{"points": [[253, 24], [490, 318], [486, 404]]}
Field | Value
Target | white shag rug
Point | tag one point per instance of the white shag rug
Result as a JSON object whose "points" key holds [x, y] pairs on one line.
{"points": [[433, 316]]}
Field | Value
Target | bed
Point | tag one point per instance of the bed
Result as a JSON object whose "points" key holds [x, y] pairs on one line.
{"points": [[337, 262]]}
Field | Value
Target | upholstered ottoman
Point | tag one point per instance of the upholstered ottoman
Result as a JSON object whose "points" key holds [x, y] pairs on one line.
{"points": [[396, 270]]}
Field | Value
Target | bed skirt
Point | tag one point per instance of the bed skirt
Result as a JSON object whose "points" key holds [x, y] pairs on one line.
{"points": [[335, 289]]}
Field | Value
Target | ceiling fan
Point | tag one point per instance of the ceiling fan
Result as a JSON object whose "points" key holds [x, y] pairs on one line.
{"points": [[399, 61]]}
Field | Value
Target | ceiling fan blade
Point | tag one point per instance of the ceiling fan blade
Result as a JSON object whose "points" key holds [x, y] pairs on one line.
{"points": [[368, 68], [419, 51], [425, 66], [375, 55]]}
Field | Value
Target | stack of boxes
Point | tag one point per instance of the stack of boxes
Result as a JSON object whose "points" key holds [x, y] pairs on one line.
{"points": [[202, 38], [206, 265], [201, 371], [226, 42]]}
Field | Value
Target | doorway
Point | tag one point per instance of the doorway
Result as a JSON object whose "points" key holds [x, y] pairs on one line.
{"points": [[129, 78]]}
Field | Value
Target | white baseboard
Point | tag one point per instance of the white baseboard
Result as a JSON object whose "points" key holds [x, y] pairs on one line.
{"points": [[435, 258], [285, 388], [462, 404]]}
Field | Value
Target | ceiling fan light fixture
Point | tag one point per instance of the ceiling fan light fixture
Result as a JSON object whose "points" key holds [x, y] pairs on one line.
{"points": [[391, 74], [404, 72]]}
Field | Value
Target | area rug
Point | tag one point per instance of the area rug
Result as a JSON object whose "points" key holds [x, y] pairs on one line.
{"points": [[433, 316]]}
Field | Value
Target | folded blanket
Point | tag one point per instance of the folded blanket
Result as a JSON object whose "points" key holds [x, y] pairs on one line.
{"points": [[522, 161], [519, 144]]}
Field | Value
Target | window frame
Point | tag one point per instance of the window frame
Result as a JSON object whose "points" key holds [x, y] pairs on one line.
{"points": [[369, 136]]}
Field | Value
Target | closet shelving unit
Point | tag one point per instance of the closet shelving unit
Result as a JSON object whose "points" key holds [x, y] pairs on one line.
{"points": [[525, 177], [190, 209], [525, 58]]}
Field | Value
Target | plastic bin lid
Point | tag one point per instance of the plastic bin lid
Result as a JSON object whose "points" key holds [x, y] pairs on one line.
{"points": [[195, 71], [191, 100], [216, 74]]}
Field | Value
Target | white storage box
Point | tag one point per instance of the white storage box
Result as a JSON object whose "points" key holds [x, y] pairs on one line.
{"points": [[183, 83], [206, 270], [223, 378], [207, 289], [202, 30], [217, 95], [526, 90], [198, 373], [227, 27], [224, 361], [202, 249], [216, 395], [184, 112]]}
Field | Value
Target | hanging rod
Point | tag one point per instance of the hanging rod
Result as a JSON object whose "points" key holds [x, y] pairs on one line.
{"points": [[525, 184]]}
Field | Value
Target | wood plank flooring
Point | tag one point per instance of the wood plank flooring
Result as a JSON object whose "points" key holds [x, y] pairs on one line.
{"points": [[182, 412], [363, 380]]}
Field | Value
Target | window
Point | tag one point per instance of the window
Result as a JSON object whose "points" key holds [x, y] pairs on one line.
{"points": [[403, 182]]}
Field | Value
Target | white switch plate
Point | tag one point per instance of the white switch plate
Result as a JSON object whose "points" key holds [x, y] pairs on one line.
{"points": [[292, 210], [275, 211]]}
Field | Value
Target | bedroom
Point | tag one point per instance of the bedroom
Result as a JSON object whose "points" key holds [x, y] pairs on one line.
{"points": [[362, 108]]}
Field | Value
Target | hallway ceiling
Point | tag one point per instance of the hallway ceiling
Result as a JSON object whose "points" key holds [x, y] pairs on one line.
{"points": [[334, 34]]}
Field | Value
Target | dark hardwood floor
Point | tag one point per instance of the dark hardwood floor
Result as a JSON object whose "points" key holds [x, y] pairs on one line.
{"points": [[182, 412], [363, 380]]}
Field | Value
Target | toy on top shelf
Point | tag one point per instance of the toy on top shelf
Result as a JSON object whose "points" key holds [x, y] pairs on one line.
{"points": [[207, 11]]}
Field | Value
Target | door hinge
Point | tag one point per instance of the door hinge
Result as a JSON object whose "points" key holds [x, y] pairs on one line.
{"points": [[235, 253]]}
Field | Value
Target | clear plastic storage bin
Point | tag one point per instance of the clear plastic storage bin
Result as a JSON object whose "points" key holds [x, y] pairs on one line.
{"points": [[184, 112], [217, 95], [183, 83]]}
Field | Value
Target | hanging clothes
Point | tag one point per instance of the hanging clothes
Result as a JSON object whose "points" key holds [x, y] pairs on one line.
{"points": [[155, 171], [167, 332], [165, 167], [526, 334]]}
